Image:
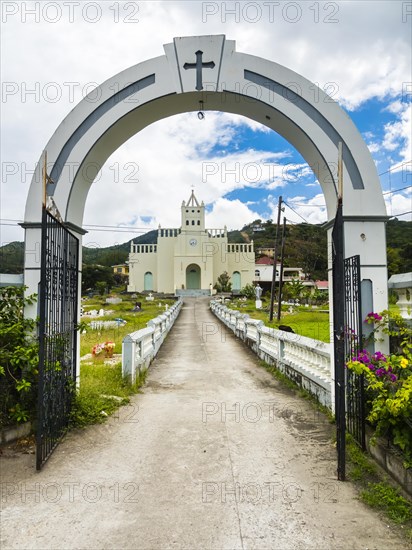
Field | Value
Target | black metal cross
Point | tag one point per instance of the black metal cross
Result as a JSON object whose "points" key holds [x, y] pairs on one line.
{"points": [[199, 66]]}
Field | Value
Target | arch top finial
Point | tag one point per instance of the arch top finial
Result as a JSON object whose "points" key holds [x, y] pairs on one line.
{"points": [[197, 61]]}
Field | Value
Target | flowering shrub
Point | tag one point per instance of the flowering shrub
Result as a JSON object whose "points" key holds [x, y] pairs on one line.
{"points": [[107, 347], [372, 317], [389, 383], [19, 357]]}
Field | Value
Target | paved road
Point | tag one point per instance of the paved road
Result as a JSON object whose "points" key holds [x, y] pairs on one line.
{"points": [[213, 454]]}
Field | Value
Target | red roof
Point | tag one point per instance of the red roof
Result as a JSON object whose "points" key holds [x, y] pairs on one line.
{"points": [[322, 285], [264, 260]]}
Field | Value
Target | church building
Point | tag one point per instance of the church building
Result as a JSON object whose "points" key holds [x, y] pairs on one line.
{"points": [[189, 259]]}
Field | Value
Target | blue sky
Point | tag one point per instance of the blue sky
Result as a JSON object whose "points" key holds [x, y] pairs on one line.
{"points": [[360, 52]]}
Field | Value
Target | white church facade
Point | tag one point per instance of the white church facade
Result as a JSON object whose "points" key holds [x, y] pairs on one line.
{"points": [[189, 259]]}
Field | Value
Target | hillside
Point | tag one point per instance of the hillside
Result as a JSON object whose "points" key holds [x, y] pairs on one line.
{"points": [[305, 247], [118, 254]]}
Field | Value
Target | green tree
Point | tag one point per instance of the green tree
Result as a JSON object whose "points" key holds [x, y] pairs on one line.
{"points": [[120, 279], [19, 357], [101, 287], [223, 283], [394, 261], [319, 296], [248, 291], [293, 290], [93, 273]]}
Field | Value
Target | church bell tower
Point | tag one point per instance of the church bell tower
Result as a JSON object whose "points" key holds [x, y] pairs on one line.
{"points": [[193, 215]]}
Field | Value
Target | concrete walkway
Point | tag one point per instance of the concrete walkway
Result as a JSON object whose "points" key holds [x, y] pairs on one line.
{"points": [[213, 454]]}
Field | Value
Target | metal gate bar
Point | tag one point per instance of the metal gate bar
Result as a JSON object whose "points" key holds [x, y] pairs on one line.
{"points": [[355, 395], [57, 334]]}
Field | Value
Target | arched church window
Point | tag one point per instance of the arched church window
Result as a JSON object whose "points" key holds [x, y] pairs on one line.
{"points": [[198, 222], [193, 222], [148, 280], [187, 222]]}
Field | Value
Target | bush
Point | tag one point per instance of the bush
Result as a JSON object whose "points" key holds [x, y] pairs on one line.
{"points": [[249, 292], [223, 283], [19, 357], [389, 383]]}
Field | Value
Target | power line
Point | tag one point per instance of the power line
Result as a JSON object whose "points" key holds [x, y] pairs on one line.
{"points": [[307, 204], [297, 213], [396, 190], [112, 228], [403, 214], [394, 167]]}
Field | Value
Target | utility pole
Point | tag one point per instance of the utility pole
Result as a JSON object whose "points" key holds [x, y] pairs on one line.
{"points": [[275, 252], [282, 254]]}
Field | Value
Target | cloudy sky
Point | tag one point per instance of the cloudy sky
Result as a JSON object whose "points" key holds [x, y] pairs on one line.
{"points": [[54, 53]]}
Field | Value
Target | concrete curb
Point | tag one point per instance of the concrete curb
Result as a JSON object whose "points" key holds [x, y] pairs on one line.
{"points": [[392, 463], [11, 433]]}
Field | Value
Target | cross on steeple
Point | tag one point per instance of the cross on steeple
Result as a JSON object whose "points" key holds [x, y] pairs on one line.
{"points": [[199, 66]]}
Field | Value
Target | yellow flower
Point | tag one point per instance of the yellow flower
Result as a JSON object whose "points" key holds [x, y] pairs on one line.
{"points": [[404, 362]]}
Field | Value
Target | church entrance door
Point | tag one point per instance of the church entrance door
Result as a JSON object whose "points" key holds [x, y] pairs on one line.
{"points": [[193, 277]]}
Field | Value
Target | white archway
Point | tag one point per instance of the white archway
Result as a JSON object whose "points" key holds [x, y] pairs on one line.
{"points": [[206, 72]]}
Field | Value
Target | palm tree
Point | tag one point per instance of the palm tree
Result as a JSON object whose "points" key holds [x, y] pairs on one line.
{"points": [[294, 289]]}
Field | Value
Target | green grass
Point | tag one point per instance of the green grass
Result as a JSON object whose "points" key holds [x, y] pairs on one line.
{"points": [[102, 388], [102, 391], [375, 489], [385, 497], [359, 465], [304, 321], [135, 320]]}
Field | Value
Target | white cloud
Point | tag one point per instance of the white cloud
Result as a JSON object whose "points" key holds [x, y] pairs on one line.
{"points": [[398, 134], [353, 50], [157, 168], [400, 203], [234, 213], [395, 107], [374, 147], [312, 210]]}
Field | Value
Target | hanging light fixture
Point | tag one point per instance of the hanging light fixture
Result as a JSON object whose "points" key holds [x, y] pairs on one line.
{"points": [[201, 114]]}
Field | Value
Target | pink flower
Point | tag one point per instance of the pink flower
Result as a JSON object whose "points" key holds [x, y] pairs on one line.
{"points": [[373, 317]]}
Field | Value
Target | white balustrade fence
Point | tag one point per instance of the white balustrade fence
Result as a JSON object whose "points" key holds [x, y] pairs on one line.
{"points": [[139, 348], [305, 360]]}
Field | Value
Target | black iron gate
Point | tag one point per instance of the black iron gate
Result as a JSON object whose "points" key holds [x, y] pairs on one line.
{"points": [[57, 334], [347, 328], [355, 399]]}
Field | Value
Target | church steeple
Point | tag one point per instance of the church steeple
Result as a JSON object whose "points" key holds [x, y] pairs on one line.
{"points": [[193, 214], [193, 200]]}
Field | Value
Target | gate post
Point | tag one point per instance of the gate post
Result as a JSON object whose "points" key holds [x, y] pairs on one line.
{"points": [[338, 338]]}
